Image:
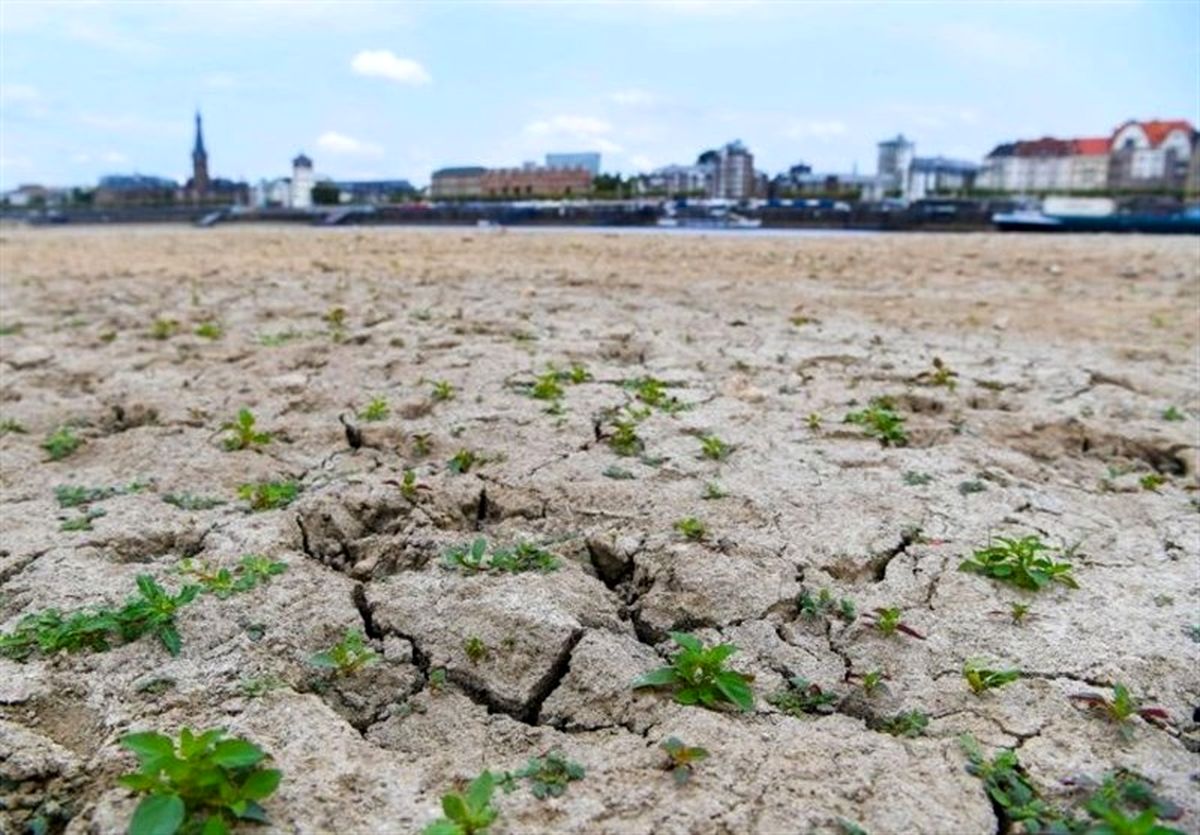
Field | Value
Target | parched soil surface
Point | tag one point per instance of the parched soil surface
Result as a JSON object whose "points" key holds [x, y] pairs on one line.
{"points": [[1066, 354]]}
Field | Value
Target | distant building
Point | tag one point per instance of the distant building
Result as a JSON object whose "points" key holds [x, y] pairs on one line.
{"points": [[928, 176], [536, 182], [1152, 154], [457, 183], [135, 190], [893, 164], [374, 191], [198, 186], [588, 160], [302, 182], [32, 195], [678, 181], [733, 176], [272, 194]]}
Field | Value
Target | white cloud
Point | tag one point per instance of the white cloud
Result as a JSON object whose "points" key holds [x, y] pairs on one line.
{"points": [[383, 63], [634, 97], [339, 143], [818, 129]]}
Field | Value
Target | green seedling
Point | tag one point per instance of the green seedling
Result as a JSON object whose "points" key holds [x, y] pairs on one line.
{"points": [[916, 479], [880, 420], [442, 390], [463, 461], [981, 679], [243, 435], [617, 473], [967, 488], [803, 697], [75, 495], [61, 443], [577, 374], [872, 682], [653, 392], [887, 622], [1019, 561], [1172, 413], [187, 501], [713, 490], [813, 421], [274, 340], [691, 528], [713, 447], [516, 559], [153, 613], [256, 686], [209, 330], [1121, 708], [469, 812], [437, 679], [850, 827], [83, 522], [347, 656], [1125, 804], [376, 410], [681, 759], [12, 425], [1006, 783], [548, 776], [269, 495], [698, 676], [475, 649], [206, 783], [941, 375], [409, 486], [624, 439], [1018, 613], [910, 724], [221, 582], [164, 328], [825, 606], [422, 444], [1152, 481], [547, 387]]}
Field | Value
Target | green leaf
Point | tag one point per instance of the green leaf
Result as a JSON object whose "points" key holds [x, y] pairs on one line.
{"points": [[215, 825], [480, 791], [158, 814], [455, 807], [735, 689], [261, 784], [443, 827], [688, 642], [662, 677], [169, 636], [148, 746], [236, 753]]}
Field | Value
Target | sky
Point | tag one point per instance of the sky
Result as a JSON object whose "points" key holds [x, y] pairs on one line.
{"points": [[374, 90]]}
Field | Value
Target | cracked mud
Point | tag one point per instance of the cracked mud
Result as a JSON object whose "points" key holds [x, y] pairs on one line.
{"points": [[1067, 353]]}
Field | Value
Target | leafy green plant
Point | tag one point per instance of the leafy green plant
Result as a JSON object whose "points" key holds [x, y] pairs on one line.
{"points": [[221, 582], [653, 392], [442, 390], [463, 461], [82, 522], [801, 696], [681, 759], [713, 447], [269, 495], [409, 486], [548, 776], [1121, 708], [376, 410], [880, 420], [871, 682], [1152, 481], [164, 328], [617, 473], [206, 783], [547, 387], [981, 679], [347, 656], [475, 649], [1018, 612], [61, 443], [74, 495], [813, 421], [1013, 796], [209, 330], [916, 479], [188, 501], [691, 528], [713, 490], [887, 622], [1019, 561], [469, 812], [971, 486], [577, 374], [12, 425], [518, 558], [1172, 413], [909, 723], [698, 675], [940, 375], [624, 439], [1125, 804], [825, 606], [243, 434]]}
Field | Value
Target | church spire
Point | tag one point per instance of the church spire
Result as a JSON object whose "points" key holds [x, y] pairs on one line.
{"points": [[198, 150]]}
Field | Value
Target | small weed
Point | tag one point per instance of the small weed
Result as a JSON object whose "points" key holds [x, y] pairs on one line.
{"points": [[347, 656], [437, 679], [469, 812], [872, 682], [206, 783], [1121, 708], [813, 421], [825, 606], [476, 650], [887, 622], [617, 473], [681, 759], [1152, 481], [269, 495], [803, 697], [253, 688], [941, 375], [624, 439], [982, 679], [76, 495], [209, 330], [713, 490], [1017, 612], [1006, 784], [409, 486], [422, 444], [463, 461], [916, 479], [548, 776], [966, 488], [698, 676], [221, 582], [188, 501], [850, 827], [83, 522], [164, 328], [653, 392], [577, 374], [243, 435], [1019, 561], [274, 340], [376, 410], [521, 557], [714, 448], [547, 387], [880, 420], [1172, 413], [442, 390], [61, 443], [691, 528], [11, 425], [910, 723]]}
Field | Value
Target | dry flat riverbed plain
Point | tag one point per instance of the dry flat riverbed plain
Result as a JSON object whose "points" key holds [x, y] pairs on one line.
{"points": [[1047, 386]]}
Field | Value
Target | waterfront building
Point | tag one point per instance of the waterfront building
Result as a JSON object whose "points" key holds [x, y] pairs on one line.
{"points": [[1148, 155], [531, 181], [457, 183], [733, 173], [588, 160], [302, 182]]}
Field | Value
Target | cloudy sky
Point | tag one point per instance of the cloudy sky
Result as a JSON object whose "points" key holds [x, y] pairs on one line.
{"points": [[398, 89]]}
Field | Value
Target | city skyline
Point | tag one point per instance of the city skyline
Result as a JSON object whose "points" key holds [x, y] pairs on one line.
{"points": [[399, 91]]}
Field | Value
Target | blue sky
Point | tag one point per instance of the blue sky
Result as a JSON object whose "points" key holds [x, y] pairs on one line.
{"points": [[396, 90]]}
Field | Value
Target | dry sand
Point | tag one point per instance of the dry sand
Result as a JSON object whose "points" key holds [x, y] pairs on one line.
{"points": [[1067, 352]]}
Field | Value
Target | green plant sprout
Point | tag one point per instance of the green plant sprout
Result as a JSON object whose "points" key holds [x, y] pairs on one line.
{"points": [[1019, 561], [205, 784], [681, 759], [1121, 708], [981, 679], [803, 697], [880, 420], [61, 443], [914, 478], [469, 812], [577, 374], [548, 775], [209, 330], [521, 557], [1152, 481], [12, 425], [909, 724], [1172, 413], [886, 621], [75, 495], [82, 522], [624, 439], [714, 448], [243, 435], [347, 656], [941, 375], [691, 528], [164, 328], [813, 421], [824, 605], [221, 582], [1008, 787], [376, 410], [698, 675], [269, 495], [442, 390], [653, 392], [547, 387], [617, 473], [476, 650], [463, 461], [422, 444], [872, 682], [188, 501], [713, 490], [409, 486]]}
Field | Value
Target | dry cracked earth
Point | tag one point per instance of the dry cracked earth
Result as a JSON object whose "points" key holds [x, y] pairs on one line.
{"points": [[1067, 352]]}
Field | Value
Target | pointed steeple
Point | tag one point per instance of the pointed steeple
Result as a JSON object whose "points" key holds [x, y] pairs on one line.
{"points": [[198, 150]]}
